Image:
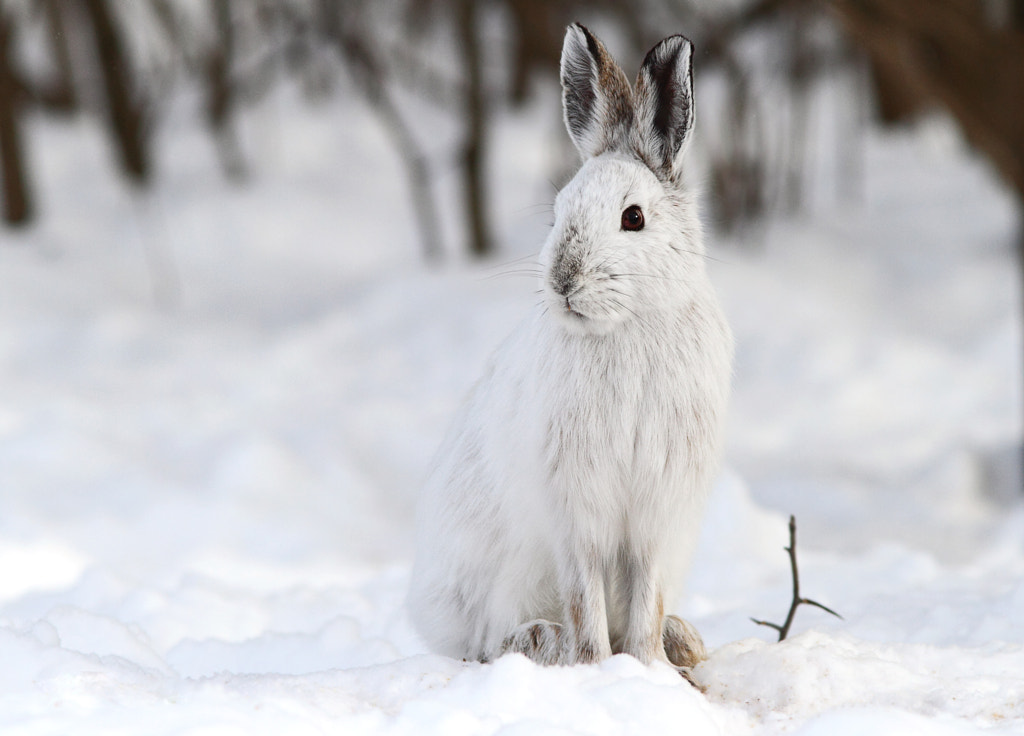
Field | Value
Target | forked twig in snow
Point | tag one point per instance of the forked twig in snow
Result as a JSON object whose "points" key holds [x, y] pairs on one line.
{"points": [[797, 600]]}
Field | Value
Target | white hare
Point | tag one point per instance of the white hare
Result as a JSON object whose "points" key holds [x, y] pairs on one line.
{"points": [[565, 501]]}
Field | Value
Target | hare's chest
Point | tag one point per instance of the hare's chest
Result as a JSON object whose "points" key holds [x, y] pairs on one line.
{"points": [[627, 426]]}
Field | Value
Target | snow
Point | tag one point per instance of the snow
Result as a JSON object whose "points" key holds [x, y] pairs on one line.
{"points": [[217, 402]]}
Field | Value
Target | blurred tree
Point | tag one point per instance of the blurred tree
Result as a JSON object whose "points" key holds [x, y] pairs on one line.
{"points": [[956, 54], [57, 94], [475, 140], [471, 86], [966, 56], [346, 29], [204, 42], [126, 106], [922, 51], [221, 91], [17, 198]]}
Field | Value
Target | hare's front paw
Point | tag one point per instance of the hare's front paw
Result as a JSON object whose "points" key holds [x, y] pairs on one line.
{"points": [[540, 640], [683, 645]]}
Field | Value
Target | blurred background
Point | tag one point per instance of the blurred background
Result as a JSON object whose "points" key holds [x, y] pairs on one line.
{"points": [[121, 64], [254, 251]]}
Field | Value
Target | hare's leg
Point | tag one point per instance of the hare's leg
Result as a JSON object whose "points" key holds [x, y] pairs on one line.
{"points": [[586, 619], [644, 608], [540, 640]]}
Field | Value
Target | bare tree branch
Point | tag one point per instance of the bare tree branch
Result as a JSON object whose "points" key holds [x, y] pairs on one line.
{"points": [[783, 629]]}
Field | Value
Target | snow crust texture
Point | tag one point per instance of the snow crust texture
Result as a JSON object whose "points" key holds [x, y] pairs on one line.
{"points": [[217, 403]]}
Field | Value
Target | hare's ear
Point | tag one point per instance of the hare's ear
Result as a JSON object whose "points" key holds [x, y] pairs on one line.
{"points": [[664, 105], [595, 94]]}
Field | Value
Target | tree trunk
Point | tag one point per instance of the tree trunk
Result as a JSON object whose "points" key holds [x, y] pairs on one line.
{"points": [[946, 51], [368, 73], [474, 179], [58, 95], [950, 52], [220, 92], [126, 115], [17, 200]]}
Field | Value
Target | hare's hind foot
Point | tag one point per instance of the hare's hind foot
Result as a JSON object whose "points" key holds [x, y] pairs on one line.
{"points": [[540, 640], [683, 645]]}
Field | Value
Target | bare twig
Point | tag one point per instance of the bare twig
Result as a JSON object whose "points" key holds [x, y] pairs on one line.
{"points": [[797, 600]]}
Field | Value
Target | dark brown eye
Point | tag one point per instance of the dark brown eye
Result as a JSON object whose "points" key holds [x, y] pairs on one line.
{"points": [[633, 218]]}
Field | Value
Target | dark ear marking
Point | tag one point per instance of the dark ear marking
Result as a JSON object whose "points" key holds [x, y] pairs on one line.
{"points": [[592, 45], [674, 106], [579, 73], [595, 93], [664, 101]]}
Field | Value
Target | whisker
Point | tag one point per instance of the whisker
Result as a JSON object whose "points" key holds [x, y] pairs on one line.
{"points": [[492, 276], [620, 305], [697, 253], [540, 207], [523, 266], [647, 276], [527, 257], [705, 255], [514, 268]]}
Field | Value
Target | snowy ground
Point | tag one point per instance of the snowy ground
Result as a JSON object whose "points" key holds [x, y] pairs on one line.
{"points": [[216, 404]]}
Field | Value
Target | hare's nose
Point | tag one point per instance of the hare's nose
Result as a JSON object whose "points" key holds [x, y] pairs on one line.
{"points": [[564, 275], [563, 284]]}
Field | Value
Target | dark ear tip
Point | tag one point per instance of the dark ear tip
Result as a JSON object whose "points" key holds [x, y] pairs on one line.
{"points": [[577, 29], [676, 39], [592, 43], [669, 48]]}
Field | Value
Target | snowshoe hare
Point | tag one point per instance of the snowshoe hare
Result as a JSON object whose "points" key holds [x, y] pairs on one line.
{"points": [[564, 504]]}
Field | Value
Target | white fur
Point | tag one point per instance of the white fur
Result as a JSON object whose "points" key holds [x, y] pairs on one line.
{"points": [[567, 495]]}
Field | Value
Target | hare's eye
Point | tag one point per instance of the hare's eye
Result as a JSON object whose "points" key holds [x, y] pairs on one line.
{"points": [[633, 218]]}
